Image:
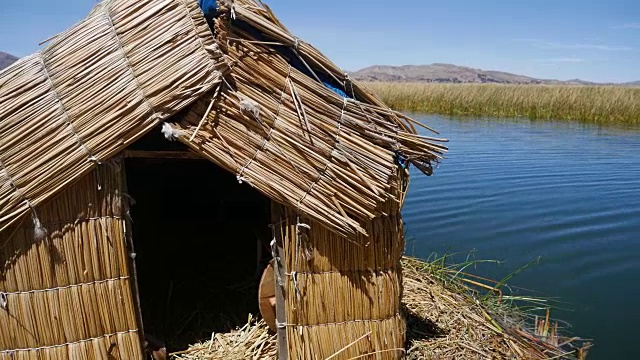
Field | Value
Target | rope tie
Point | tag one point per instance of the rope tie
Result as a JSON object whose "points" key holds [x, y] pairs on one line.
{"points": [[13, 352], [299, 235], [4, 302], [296, 43], [63, 109], [233, 11], [39, 231], [97, 282], [154, 115], [274, 254], [170, 133], [269, 134], [357, 321], [323, 172], [294, 276], [251, 107]]}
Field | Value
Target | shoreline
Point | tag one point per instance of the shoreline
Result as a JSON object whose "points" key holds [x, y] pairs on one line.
{"points": [[601, 105]]}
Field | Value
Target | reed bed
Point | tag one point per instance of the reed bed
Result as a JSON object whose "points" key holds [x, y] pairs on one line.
{"points": [[94, 90], [446, 320], [69, 294], [605, 105], [280, 130]]}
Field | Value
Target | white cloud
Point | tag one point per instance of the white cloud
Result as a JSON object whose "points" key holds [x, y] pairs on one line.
{"points": [[586, 46], [627, 26], [561, 60]]}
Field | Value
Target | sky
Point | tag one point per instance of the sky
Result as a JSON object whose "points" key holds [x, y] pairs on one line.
{"points": [[554, 39]]}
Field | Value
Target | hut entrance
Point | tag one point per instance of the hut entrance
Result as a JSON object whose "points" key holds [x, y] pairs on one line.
{"points": [[198, 235]]}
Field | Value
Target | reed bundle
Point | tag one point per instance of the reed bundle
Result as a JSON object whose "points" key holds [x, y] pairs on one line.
{"points": [[447, 321], [342, 295], [69, 294], [444, 322], [94, 90], [279, 129]]}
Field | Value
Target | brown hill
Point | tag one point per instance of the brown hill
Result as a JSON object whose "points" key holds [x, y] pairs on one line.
{"points": [[6, 60], [448, 73]]}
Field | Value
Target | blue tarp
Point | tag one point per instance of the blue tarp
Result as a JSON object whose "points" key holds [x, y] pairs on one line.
{"points": [[208, 7]]}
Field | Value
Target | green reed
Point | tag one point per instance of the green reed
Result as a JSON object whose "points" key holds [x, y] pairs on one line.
{"points": [[592, 104]]}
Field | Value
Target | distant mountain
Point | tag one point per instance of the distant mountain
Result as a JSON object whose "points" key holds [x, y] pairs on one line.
{"points": [[633, 83], [448, 73], [6, 60]]}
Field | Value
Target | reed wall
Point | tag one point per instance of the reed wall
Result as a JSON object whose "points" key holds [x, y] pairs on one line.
{"points": [[343, 296], [69, 294]]}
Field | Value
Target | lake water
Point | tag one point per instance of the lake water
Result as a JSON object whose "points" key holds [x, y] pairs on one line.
{"points": [[570, 193]]}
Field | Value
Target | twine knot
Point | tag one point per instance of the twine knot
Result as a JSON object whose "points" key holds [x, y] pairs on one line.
{"points": [[4, 302]]}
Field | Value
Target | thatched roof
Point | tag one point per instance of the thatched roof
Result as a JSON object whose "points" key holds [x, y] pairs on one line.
{"points": [[271, 109], [94, 90]]}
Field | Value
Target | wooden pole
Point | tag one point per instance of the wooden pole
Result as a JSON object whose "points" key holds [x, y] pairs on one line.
{"points": [[277, 248]]}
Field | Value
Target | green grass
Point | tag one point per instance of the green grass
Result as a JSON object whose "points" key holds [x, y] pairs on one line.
{"points": [[593, 104]]}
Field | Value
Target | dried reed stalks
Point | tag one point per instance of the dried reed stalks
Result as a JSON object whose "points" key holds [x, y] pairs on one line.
{"points": [[342, 295], [445, 322], [252, 341], [331, 158], [94, 90], [69, 294]]}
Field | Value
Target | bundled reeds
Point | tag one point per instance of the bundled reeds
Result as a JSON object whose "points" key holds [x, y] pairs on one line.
{"points": [[94, 90], [445, 321], [277, 127], [342, 296], [69, 293]]}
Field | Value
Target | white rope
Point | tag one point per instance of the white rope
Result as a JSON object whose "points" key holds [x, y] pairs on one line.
{"points": [[154, 114], [268, 137], [69, 343], [357, 321], [274, 254], [4, 302], [67, 287], [63, 109], [39, 231]]}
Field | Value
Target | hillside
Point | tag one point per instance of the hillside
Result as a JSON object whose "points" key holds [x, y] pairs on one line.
{"points": [[448, 73], [6, 60]]}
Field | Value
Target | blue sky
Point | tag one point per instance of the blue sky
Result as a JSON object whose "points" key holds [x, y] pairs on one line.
{"points": [[591, 40]]}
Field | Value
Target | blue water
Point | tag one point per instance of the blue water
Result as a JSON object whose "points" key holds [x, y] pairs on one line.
{"points": [[569, 193]]}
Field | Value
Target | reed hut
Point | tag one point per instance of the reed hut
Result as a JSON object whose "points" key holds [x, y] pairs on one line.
{"points": [[161, 138]]}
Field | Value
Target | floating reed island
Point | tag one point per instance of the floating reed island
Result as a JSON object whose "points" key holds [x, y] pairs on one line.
{"points": [[448, 317], [602, 105], [159, 156]]}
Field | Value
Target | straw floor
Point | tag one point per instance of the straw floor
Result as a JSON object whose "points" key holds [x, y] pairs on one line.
{"points": [[444, 322]]}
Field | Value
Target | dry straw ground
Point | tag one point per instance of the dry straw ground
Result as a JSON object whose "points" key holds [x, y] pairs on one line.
{"points": [[614, 105], [446, 320]]}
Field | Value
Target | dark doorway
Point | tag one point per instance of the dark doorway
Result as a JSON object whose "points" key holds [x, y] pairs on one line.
{"points": [[198, 235]]}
